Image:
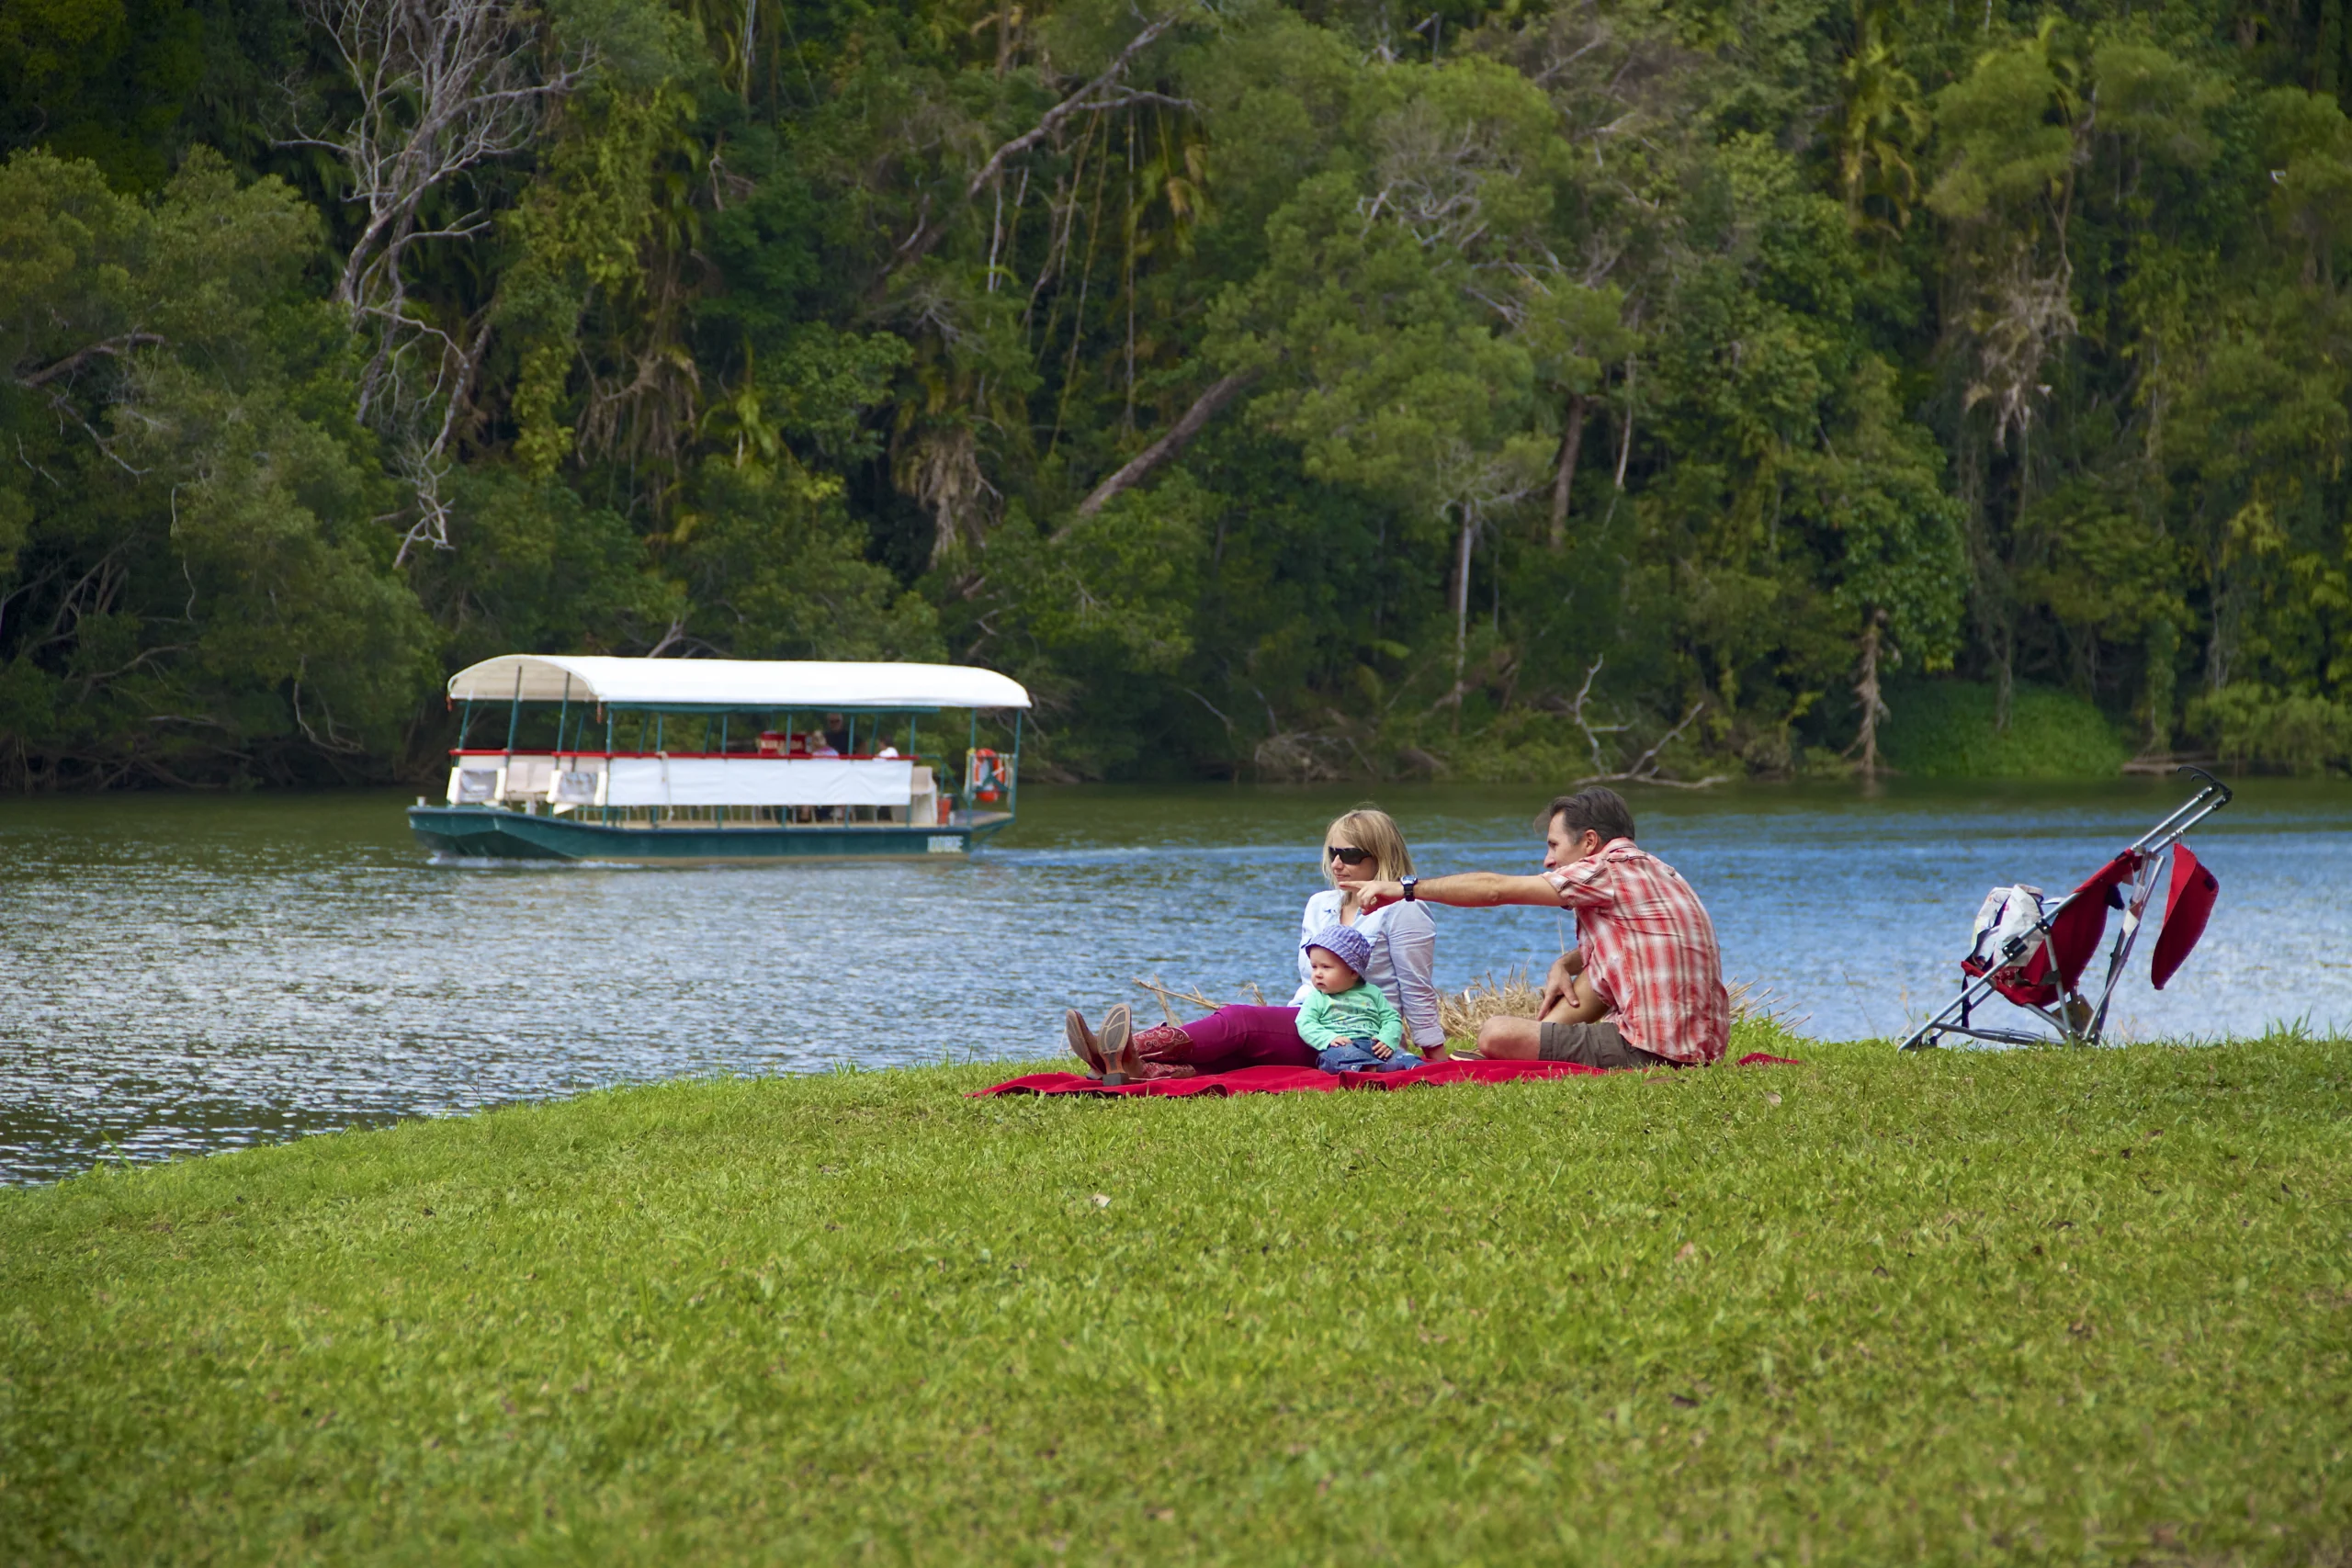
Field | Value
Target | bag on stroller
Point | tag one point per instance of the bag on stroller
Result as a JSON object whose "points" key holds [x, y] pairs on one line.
{"points": [[2033, 953]]}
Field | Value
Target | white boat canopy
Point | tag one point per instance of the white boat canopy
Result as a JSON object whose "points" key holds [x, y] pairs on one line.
{"points": [[771, 684]]}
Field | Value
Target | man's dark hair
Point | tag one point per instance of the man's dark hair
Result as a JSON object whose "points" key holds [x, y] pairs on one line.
{"points": [[1601, 808]]}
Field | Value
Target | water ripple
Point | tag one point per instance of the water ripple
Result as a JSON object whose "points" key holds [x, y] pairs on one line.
{"points": [[180, 975]]}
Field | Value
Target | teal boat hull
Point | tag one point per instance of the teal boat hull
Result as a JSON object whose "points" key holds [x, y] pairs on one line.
{"points": [[490, 832]]}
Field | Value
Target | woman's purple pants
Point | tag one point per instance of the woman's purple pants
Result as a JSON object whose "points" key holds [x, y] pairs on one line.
{"points": [[1247, 1037]]}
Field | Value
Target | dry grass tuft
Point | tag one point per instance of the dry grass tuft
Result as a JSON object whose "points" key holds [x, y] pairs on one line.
{"points": [[1515, 996], [1463, 1012], [1751, 1004]]}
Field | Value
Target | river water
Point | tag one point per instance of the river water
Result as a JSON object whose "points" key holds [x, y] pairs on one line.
{"points": [[183, 974]]}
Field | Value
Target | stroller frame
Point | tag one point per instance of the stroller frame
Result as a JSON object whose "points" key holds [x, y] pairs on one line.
{"points": [[2150, 853]]}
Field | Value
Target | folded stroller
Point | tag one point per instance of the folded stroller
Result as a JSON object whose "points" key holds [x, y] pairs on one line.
{"points": [[2033, 953]]}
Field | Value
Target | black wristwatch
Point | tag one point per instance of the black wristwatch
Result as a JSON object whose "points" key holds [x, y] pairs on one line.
{"points": [[1411, 885]]}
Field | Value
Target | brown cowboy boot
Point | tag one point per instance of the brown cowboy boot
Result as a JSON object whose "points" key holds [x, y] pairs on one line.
{"points": [[1127, 1064], [1164, 1043], [1117, 1048], [1082, 1043]]}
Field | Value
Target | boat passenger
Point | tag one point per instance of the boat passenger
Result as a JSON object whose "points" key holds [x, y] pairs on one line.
{"points": [[1645, 954], [821, 746], [1360, 847]]}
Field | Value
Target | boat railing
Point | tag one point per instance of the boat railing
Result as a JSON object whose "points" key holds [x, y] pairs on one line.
{"points": [[702, 789], [736, 755]]}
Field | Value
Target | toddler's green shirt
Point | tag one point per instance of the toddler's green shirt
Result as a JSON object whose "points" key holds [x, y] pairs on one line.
{"points": [[1353, 1014]]}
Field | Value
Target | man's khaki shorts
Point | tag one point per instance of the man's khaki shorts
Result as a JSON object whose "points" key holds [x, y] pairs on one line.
{"points": [[1594, 1045]]}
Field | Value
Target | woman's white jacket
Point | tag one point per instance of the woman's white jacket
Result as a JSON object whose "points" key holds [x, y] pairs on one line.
{"points": [[1404, 951]]}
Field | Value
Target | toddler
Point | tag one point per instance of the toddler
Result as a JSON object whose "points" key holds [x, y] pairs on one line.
{"points": [[1353, 1025]]}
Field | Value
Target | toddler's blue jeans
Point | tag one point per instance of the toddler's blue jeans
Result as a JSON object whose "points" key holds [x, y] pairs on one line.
{"points": [[1357, 1056]]}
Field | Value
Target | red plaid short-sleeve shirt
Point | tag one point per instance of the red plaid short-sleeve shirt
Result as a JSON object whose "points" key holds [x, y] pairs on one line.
{"points": [[1649, 950]]}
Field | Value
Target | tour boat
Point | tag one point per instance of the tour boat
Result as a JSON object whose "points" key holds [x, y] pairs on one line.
{"points": [[671, 760]]}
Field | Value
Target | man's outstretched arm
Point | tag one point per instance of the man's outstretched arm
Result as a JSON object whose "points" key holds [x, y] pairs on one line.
{"points": [[1466, 890]]}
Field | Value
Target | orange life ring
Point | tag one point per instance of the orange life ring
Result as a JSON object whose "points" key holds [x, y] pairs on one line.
{"points": [[984, 777]]}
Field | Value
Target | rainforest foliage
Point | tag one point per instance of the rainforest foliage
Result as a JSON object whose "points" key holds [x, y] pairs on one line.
{"points": [[1589, 386]]}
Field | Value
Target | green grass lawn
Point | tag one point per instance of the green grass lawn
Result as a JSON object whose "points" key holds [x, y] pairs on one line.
{"points": [[2089, 1306]]}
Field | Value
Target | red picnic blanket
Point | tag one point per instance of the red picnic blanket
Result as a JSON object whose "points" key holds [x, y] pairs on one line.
{"points": [[1278, 1080]]}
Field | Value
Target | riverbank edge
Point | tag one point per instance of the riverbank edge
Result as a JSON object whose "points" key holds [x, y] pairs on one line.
{"points": [[500, 1335]]}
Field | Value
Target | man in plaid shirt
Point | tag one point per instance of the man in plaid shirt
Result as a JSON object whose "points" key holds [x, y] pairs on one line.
{"points": [[1644, 987]]}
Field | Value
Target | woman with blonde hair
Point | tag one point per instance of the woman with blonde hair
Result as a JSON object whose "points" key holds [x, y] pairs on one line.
{"points": [[1361, 846]]}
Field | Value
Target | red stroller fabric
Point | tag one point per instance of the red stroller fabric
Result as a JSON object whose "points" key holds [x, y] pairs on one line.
{"points": [[1279, 1080], [2188, 903], [2074, 934]]}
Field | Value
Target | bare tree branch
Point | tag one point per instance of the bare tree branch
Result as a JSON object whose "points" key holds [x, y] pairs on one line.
{"points": [[424, 471], [1069, 105], [1644, 768], [443, 87], [1646, 765], [1178, 435], [65, 410], [1088, 98], [114, 347]]}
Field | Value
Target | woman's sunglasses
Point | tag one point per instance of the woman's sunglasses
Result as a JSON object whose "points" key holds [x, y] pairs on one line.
{"points": [[1347, 856]]}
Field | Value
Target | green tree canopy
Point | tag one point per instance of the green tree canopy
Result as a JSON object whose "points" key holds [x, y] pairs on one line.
{"points": [[1518, 389]]}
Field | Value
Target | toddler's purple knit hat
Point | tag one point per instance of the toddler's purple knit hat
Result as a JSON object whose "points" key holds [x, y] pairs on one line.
{"points": [[1343, 942]]}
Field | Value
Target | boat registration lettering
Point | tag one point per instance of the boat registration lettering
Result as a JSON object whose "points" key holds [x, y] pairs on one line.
{"points": [[945, 844]]}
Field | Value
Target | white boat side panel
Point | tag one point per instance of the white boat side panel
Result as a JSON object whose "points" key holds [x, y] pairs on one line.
{"points": [[809, 686], [753, 781], [474, 785], [529, 778]]}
